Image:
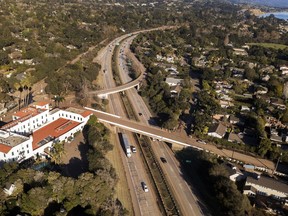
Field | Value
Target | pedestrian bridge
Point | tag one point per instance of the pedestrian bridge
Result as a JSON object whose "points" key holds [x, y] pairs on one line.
{"points": [[105, 92], [176, 138]]}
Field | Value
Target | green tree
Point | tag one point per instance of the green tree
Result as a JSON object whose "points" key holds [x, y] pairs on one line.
{"points": [[35, 201], [57, 152], [264, 147]]}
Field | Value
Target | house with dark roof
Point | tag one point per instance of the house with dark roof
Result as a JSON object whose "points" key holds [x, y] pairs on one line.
{"points": [[267, 186], [234, 172], [235, 138], [217, 130], [249, 190], [233, 119]]}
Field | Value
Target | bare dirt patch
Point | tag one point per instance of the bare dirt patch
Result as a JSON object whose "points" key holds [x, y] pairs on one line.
{"points": [[122, 189]]}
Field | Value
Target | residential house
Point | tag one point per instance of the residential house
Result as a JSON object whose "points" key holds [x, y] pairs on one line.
{"points": [[245, 108], [9, 189], [276, 138], [225, 104], [238, 72], [284, 70], [235, 138], [265, 78], [175, 90], [217, 130], [234, 173], [277, 102], [239, 51], [173, 81], [233, 119]]}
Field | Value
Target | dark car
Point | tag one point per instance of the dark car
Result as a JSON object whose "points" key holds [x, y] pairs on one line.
{"points": [[140, 114], [163, 159], [144, 187]]}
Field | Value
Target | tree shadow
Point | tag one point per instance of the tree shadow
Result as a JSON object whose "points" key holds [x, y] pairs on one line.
{"points": [[194, 184], [76, 166]]}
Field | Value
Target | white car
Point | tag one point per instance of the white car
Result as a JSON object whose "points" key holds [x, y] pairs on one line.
{"points": [[144, 186], [201, 141], [133, 149]]}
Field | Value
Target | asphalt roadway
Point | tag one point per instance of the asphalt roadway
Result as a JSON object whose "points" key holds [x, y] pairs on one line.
{"points": [[185, 197], [143, 203]]}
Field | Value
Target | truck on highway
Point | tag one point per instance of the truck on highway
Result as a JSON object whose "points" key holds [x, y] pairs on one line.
{"points": [[126, 145]]}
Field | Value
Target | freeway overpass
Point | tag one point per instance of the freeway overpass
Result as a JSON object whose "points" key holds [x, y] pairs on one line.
{"points": [[176, 138], [104, 93]]}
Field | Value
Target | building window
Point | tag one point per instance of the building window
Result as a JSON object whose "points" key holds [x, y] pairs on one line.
{"points": [[4, 155], [27, 151], [12, 153], [27, 145]]}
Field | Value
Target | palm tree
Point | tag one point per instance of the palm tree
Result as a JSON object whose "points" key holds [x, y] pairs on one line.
{"points": [[57, 152], [58, 99], [29, 95], [20, 89], [25, 96]]}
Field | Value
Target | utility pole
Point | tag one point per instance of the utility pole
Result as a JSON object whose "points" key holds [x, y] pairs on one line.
{"points": [[277, 163]]}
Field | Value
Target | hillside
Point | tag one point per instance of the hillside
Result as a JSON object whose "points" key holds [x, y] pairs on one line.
{"points": [[271, 3]]}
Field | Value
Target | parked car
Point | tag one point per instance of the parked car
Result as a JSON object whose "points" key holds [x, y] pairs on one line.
{"points": [[163, 159], [144, 186], [201, 141], [133, 149]]}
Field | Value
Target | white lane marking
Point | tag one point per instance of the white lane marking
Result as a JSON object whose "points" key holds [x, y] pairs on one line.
{"points": [[102, 112]]}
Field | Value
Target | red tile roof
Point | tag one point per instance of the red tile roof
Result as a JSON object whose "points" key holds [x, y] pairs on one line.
{"points": [[24, 115], [28, 111], [86, 113], [54, 129], [40, 103], [5, 148]]}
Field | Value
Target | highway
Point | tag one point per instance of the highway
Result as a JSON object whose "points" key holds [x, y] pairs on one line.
{"points": [[187, 201], [143, 203]]}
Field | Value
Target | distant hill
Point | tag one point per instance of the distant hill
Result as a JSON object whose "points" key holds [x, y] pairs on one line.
{"points": [[272, 3]]}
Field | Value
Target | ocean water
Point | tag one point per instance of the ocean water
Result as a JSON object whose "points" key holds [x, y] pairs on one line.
{"points": [[279, 15]]}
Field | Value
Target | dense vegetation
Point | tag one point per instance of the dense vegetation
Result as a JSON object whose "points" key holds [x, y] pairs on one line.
{"points": [[204, 49], [49, 34], [49, 192]]}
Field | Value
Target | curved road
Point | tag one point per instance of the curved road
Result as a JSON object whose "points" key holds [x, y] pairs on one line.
{"points": [[182, 192]]}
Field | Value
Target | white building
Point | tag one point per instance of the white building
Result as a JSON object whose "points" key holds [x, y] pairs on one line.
{"points": [[217, 130], [35, 129], [267, 186], [173, 81]]}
